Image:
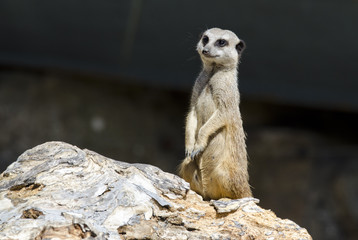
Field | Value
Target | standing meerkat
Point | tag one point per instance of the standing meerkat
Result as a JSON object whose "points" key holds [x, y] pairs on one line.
{"points": [[216, 158]]}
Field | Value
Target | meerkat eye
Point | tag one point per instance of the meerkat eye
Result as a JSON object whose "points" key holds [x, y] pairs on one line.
{"points": [[205, 40], [222, 42]]}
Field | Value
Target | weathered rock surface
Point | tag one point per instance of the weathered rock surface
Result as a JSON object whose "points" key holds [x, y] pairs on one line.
{"points": [[58, 191]]}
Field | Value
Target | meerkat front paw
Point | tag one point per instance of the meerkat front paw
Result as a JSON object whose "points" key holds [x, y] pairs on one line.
{"points": [[198, 149], [188, 151]]}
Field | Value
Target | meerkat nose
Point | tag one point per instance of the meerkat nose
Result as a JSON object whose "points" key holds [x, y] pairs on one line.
{"points": [[205, 51]]}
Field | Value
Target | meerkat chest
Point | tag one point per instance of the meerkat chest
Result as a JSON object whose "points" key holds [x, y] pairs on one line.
{"points": [[205, 105]]}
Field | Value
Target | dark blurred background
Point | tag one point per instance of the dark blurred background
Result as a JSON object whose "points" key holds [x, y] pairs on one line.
{"points": [[115, 77]]}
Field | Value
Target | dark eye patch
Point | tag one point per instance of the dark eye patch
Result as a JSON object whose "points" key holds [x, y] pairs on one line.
{"points": [[221, 43], [205, 40]]}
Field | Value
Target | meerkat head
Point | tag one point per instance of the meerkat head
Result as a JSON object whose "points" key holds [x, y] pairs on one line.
{"points": [[222, 47]]}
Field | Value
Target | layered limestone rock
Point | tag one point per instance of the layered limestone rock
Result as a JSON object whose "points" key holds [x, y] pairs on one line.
{"points": [[58, 191]]}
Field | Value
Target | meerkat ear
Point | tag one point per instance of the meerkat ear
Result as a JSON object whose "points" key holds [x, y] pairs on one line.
{"points": [[240, 47]]}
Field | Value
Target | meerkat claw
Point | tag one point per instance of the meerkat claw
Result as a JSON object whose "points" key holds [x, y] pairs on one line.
{"points": [[195, 153], [187, 153]]}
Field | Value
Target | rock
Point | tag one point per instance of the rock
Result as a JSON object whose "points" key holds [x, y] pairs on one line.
{"points": [[230, 205], [58, 191]]}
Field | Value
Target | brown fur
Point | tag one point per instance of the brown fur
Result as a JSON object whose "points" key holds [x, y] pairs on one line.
{"points": [[216, 161]]}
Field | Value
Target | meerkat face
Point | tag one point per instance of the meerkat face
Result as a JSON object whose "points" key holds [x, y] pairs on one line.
{"points": [[220, 47]]}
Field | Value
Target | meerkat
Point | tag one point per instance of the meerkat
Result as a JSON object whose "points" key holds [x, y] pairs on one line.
{"points": [[216, 160]]}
